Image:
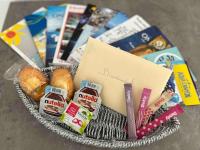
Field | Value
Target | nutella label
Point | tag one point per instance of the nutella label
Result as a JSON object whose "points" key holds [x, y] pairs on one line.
{"points": [[53, 103], [88, 96]]}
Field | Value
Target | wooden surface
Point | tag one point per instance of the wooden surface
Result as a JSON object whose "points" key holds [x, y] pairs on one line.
{"points": [[179, 20]]}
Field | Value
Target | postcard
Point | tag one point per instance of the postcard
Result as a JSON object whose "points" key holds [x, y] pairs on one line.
{"points": [[97, 65]]}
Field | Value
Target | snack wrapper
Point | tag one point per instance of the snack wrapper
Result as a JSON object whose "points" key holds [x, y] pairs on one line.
{"points": [[173, 111], [165, 97], [88, 96], [53, 103], [76, 116], [143, 105], [130, 111]]}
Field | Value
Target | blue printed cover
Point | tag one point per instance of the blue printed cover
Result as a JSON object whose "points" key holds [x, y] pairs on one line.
{"points": [[55, 18], [36, 22], [151, 37], [37, 26]]}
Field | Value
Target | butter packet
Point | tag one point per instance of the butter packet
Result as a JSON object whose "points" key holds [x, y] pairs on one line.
{"points": [[76, 116], [88, 96], [53, 103]]}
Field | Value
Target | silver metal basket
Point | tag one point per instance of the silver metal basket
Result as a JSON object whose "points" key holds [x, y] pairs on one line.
{"points": [[106, 131]]}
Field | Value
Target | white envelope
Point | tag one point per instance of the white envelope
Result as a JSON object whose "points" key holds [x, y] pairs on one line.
{"points": [[112, 67]]}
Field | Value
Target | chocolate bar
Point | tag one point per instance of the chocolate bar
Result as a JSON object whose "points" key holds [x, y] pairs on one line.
{"points": [[130, 111], [142, 107]]}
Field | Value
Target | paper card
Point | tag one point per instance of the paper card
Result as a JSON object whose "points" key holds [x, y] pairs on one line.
{"points": [[112, 67], [18, 37], [185, 85], [71, 20], [55, 15], [37, 26], [144, 42]]}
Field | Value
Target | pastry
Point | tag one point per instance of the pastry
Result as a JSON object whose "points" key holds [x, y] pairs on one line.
{"points": [[62, 78], [32, 82]]}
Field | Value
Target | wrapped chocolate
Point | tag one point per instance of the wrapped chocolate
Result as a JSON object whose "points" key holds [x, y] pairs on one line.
{"points": [[143, 105], [88, 96], [165, 97], [146, 129], [53, 103], [76, 116], [130, 111]]}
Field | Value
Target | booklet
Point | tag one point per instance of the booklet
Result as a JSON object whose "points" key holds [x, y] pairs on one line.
{"points": [[37, 26], [55, 16], [144, 42], [77, 32], [71, 20]]}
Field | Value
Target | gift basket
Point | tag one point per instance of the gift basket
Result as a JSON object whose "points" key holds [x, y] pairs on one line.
{"points": [[97, 77], [106, 131]]}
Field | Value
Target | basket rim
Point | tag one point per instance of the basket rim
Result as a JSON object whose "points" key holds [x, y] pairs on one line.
{"points": [[87, 140]]}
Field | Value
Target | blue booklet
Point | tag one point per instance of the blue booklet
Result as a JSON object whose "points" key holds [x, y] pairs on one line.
{"points": [[55, 18], [144, 42]]}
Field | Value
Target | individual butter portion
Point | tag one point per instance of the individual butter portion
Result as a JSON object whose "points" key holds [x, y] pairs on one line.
{"points": [[185, 85]]}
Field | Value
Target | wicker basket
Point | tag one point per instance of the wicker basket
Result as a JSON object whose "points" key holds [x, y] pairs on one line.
{"points": [[106, 131]]}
